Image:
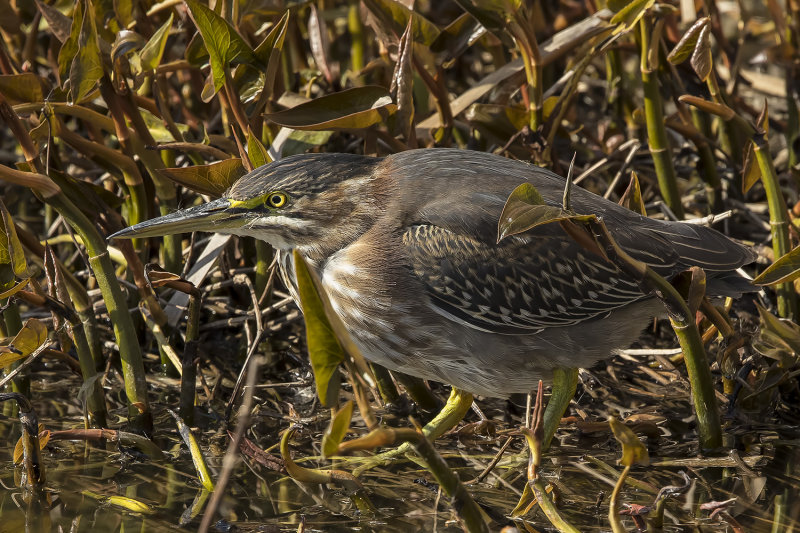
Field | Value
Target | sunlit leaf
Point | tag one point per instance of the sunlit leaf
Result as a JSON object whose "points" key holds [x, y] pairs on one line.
{"points": [[87, 66], [25, 342], [153, 51], [213, 179], [257, 152], [632, 197], [751, 170], [337, 429], [633, 451], [721, 110], [630, 14], [784, 270], [224, 45], [324, 349], [525, 209], [355, 108], [269, 52], [458, 36], [686, 45], [14, 289]]}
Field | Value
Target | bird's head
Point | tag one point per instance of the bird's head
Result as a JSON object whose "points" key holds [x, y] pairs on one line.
{"points": [[309, 201]]}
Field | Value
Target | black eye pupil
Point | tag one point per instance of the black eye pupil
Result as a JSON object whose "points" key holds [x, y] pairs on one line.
{"points": [[276, 199]]}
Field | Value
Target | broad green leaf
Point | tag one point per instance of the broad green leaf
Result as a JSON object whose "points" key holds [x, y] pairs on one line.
{"points": [[525, 209], [269, 53], [686, 45], [224, 45], [393, 16], [356, 108], [30, 337], [630, 14], [87, 67], [196, 53], [11, 251], [784, 270], [258, 154], [337, 430], [196, 453], [633, 451], [22, 88], [213, 179], [324, 349], [153, 51]]}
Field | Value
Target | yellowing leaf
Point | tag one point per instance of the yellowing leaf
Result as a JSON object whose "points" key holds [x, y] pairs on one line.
{"points": [[154, 49], [784, 270], [355, 108], [30, 337], [525, 209], [213, 179], [633, 451], [337, 429]]}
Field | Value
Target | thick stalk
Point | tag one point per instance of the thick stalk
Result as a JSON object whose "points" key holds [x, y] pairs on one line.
{"points": [[124, 332], [779, 222], [656, 130], [565, 382]]}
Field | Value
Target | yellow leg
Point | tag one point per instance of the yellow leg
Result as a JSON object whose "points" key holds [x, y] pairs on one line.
{"points": [[451, 414], [565, 383]]}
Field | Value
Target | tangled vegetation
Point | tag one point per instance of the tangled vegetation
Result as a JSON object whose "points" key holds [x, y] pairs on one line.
{"points": [[119, 111]]}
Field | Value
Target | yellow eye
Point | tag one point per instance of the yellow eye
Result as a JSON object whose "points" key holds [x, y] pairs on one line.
{"points": [[276, 199]]}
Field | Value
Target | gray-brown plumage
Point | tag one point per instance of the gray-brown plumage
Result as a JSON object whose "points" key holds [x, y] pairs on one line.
{"points": [[406, 249]]}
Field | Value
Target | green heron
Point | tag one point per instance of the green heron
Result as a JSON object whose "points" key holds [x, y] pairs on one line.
{"points": [[406, 248]]}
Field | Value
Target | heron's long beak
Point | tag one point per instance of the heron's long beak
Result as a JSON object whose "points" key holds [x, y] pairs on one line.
{"points": [[213, 216]]}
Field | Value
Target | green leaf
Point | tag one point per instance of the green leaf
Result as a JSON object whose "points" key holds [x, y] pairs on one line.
{"points": [[779, 332], [492, 15], [337, 430], [324, 349], [751, 170], [153, 51], [70, 47], [393, 16], [525, 209], [458, 36], [11, 251], [784, 270], [14, 289], [356, 108], [22, 88], [629, 15], [258, 154], [87, 67], [224, 45], [301, 141], [632, 197], [686, 45], [633, 451], [30, 337], [213, 179]]}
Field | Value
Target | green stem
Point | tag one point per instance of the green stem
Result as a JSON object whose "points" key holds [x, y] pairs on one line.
{"points": [[124, 332], [613, 505], [656, 130], [779, 222], [565, 382]]}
